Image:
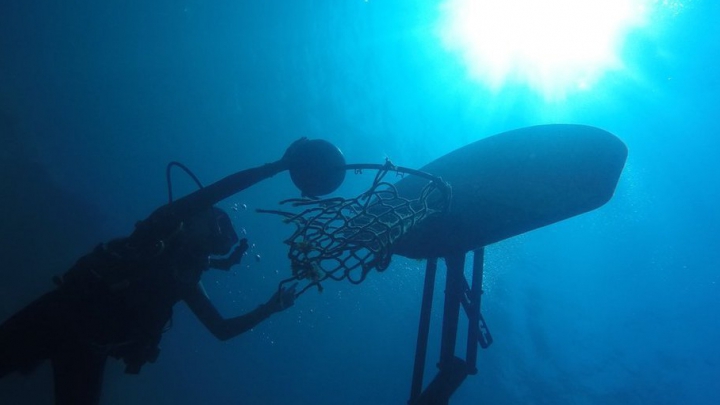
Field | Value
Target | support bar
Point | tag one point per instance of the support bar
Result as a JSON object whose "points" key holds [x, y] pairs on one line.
{"points": [[423, 330], [454, 292], [452, 369], [473, 309], [441, 388]]}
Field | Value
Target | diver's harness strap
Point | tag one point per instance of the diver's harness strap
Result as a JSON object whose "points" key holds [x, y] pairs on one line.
{"points": [[104, 274], [136, 354], [115, 264]]}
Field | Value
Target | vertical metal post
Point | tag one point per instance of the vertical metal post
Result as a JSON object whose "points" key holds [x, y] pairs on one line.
{"points": [[453, 297], [452, 369], [423, 330], [473, 309]]}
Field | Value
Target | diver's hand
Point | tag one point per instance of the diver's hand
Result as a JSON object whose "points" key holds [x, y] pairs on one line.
{"points": [[284, 298], [237, 253], [289, 159], [234, 258]]}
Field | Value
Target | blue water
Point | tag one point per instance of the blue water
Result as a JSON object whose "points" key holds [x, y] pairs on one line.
{"points": [[616, 306]]}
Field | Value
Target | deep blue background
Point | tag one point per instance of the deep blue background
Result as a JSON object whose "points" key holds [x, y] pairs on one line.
{"points": [[615, 306]]}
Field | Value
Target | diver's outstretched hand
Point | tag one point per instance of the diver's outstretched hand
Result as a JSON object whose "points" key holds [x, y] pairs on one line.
{"points": [[284, 298], [290, 156], [237, 253], [234, 258]]}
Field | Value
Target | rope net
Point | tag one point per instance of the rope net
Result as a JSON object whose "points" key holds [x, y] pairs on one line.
{"points": [[345, 238]]}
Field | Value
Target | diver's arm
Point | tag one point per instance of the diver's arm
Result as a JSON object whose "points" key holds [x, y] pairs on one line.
{"points": [[225, 329], [167, 218], [191, 204]]}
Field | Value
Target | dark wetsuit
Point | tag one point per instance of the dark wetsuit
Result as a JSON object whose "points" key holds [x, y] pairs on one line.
{"points": [[117, 300]]}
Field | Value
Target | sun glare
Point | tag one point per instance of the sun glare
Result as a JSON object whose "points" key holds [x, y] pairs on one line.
{"points": [[556, 47]]}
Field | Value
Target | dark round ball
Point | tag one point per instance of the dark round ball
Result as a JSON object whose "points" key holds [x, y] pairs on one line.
{"points": [[317, 168]]}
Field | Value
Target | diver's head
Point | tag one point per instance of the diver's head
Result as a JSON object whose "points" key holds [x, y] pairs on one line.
{"points": [[210, 232]]}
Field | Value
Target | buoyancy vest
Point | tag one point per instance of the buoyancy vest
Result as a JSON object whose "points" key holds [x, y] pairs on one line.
{"points": [[131, 290]]}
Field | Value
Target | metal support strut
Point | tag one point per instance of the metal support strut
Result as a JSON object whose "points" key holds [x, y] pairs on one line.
{"points": [[458, 293]]}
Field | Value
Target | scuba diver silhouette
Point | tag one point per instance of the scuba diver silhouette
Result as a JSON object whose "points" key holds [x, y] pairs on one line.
{"points": [[117, 300]]}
